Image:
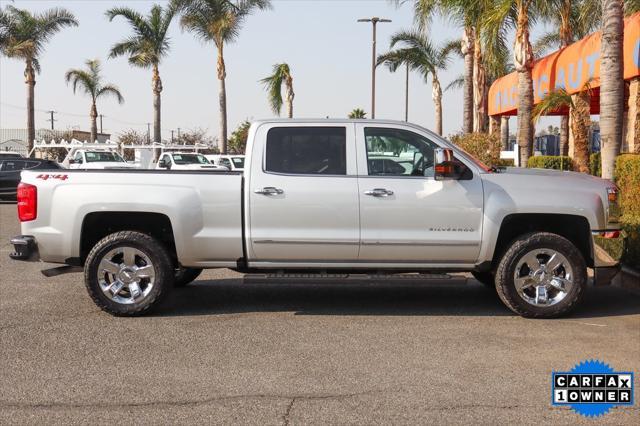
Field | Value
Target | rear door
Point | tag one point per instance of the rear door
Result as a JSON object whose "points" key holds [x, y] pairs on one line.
{"points": [[303, 194], [10, 175]]}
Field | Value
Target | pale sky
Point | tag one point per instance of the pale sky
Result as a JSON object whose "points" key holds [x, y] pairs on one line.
{"points": [[328, 52]]}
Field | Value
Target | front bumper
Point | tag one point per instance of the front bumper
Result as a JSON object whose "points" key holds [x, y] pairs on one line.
{"points": [[608, 248], [25, 248]]}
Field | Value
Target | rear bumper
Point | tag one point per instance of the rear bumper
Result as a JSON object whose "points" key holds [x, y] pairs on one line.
{"points": [[608, 247], [25, 248]]}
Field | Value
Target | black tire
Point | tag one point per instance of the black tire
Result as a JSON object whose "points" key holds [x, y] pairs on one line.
{"points": [[154, 250], [485, 278], [524, 244], [184, 276]]}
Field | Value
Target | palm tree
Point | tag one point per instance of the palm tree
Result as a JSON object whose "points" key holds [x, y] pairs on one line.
{"points": [[146, 48], [611, 85], [90, 81], [218, 21], [273, 84], [497, 20], [357, 113], [465, 14], [579, 110], [570, 20], [23, 36], [420, 55]]}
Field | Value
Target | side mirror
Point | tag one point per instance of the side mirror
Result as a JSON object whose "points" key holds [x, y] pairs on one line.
{"points": [[447, 167], [72, 161], [162, 164]]}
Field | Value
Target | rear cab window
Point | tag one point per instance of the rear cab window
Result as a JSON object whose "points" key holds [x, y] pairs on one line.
{"points": [[306, 151]]}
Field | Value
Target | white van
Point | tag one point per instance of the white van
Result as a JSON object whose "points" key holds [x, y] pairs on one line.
{"points": [[231, 162]]}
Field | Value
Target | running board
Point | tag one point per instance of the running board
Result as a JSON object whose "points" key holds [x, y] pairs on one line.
{"points": [[60, 270], [275, 277]]}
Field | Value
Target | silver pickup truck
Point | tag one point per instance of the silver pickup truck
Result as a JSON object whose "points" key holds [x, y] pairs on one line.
{"points": [[355, 196]]}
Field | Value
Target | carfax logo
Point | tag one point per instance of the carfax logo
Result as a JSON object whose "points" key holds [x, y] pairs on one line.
{"points": [[592, 388]]}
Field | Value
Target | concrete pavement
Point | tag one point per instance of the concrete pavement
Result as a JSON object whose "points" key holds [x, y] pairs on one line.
{"points": [[222, 351]]}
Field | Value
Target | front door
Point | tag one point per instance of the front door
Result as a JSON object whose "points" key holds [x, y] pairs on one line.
{"points": [[405, 214], [303, 194]]}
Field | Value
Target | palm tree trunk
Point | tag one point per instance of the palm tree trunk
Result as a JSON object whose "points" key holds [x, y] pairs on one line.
{"points": [[479, 86], [30, 80], [290, 95], [523, 62], [611, 85], [494, 125], [436, 94], [504, 132], [566, 37], [467, 51], [580, 124], [94, 125], [156, 86], [633, 117], [222, 100]]}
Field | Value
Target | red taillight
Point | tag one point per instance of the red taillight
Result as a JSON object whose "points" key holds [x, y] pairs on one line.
{"points": [[27, 202]]}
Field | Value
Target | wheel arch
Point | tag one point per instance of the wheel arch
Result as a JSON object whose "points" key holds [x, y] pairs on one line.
{"points": [[572, 227], [97, 225]]}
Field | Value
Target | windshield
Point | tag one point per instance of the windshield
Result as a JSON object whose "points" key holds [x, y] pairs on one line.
{"points": [[103, 157], [190, 159], [238, 162]]}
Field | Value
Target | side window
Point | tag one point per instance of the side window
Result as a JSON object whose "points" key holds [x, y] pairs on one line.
{"points": [[10, 166], [307, 150], [32, 164], [78, 157], [225, 162], [395, 152]]}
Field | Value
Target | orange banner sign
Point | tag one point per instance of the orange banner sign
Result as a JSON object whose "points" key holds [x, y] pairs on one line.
{"points": [[570, 68]]}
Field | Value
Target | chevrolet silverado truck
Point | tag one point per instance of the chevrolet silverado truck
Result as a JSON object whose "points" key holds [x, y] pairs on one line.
{"points": [[323, 196]]}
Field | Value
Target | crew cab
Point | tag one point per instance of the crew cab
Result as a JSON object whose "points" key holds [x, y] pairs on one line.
{"points": [[323, 195], [186, 161]]}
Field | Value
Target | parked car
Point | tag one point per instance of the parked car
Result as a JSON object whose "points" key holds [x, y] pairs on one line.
{"points": [[10, 168], [231, 162], [98, 159], [310, 201], [186, 161]]}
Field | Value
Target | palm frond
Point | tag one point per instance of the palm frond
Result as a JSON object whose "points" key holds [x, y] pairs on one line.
{"points": [[552, 102], [273, 86], [549, 41], [457, 83], [110, 89]]}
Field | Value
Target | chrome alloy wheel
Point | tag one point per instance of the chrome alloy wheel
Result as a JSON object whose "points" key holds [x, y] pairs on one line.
{"points": [[126, 275], [543, 277]]}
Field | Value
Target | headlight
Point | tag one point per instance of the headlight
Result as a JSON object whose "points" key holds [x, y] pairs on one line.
{"points": [[614, 207]]}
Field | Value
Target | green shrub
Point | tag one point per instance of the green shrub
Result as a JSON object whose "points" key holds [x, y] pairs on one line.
{"points": [[595, 164], [631, 225], [627, 176], [482, 146], [556, 162]]}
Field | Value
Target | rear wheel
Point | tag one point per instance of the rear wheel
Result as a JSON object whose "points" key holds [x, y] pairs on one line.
{"points": [[541, 275], [128, 273], [184, 276]]}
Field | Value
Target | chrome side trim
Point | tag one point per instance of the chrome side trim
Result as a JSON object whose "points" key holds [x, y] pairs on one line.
{"points": [[418, 244], [339, 243], [452, 265]]}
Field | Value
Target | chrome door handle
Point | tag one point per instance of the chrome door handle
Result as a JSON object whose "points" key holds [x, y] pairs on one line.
{"points": [[378, 192], [269, 190]]}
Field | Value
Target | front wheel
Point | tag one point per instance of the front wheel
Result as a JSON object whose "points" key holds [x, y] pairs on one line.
{"points": [[128, 273], [542, 275]]}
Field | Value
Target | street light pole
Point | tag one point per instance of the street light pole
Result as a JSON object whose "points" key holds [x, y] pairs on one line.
{"points": [[374, 21]]}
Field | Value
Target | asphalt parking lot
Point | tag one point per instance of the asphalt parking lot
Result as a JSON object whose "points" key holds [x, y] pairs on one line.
{"points": [[224, 351]]}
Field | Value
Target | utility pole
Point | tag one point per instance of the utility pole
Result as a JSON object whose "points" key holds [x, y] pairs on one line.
{"points": [[100, 123], [51, 112], [148, 132], [171, 135], [374, 21], [178, 133], [406, 96]]}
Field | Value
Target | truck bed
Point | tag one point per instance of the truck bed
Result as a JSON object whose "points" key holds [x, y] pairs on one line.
{"points": [[203, 207]]}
